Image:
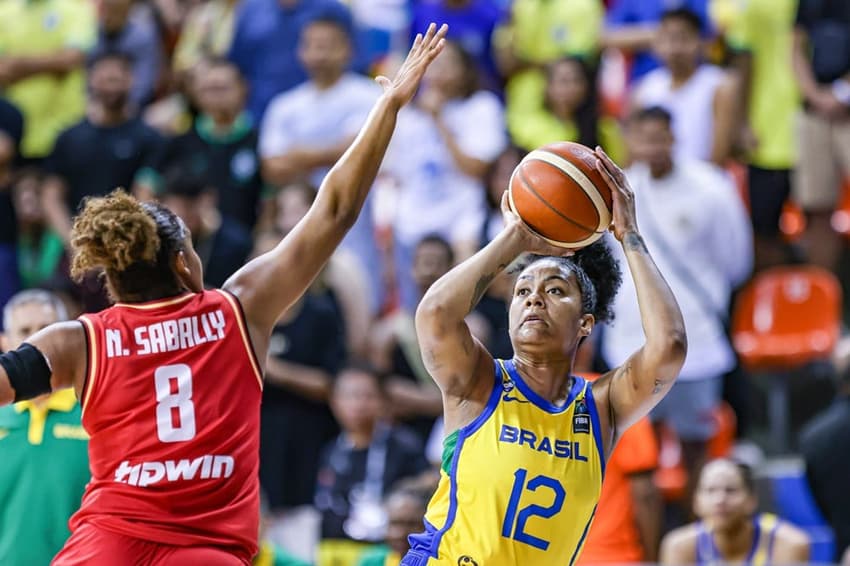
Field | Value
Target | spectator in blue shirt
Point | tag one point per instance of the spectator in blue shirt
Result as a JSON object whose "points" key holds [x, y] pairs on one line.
{"points": [[264, 47], [631, 24], [471, 24]]}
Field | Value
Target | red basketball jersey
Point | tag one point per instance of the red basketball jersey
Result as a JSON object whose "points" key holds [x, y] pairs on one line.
{"points": [[172, 405]]}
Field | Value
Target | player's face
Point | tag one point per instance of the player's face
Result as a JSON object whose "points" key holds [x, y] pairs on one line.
{"points": [[404, 516], [357, 401], [567, 85], [324, 49], [27, 319], [546, 309], [678, 45], [722, 498]]}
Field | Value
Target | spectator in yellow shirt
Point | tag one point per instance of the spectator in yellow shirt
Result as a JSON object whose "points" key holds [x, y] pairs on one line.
{"points": [[42, 51]]}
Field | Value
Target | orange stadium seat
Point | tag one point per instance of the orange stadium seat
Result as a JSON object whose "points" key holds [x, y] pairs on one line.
{"points": [[785, 318], [792, 221], [720, 445]]}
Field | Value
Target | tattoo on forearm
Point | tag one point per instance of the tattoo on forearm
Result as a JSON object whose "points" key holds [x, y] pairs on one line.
{"points": [[634, 242], [659, 384], [482, 284]]}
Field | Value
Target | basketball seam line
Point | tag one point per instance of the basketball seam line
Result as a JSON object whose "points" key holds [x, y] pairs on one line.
{"points": [[528, 187]]}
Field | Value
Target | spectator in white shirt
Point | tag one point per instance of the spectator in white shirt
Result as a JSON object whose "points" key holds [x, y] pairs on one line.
{"points": [[306, 129], [699, 96], [698, 231], [442, 148]]}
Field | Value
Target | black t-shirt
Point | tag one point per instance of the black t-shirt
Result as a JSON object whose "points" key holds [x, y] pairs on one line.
{"points": [[827, 23], [8, 226], [230, 165], [294, 429], [12, 125], [342, 474], [94, 160]]}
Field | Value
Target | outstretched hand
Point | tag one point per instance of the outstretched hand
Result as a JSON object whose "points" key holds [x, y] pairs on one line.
{"points": [[425, 49], [624, 218]]}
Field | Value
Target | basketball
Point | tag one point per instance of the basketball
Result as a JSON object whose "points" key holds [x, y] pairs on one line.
{"points": [[557, 191]]}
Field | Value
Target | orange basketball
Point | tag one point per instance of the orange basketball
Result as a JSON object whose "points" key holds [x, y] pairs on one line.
{"points": [[559, 194]]}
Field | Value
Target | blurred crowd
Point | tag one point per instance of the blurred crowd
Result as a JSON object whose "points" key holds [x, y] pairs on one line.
{"points": [[730, 117]]}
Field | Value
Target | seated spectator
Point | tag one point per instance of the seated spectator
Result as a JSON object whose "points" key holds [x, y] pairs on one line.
{"points": [[697, 230], [404, 507], [223, 244], [570, 111], [265, 38], [699, 96], [730, 528], [360, 466], [414, 397], [220, 148], [629, 516], [42, 259], [43, 49], [45, 454], [207, 33], [631, 25], [104, 151], [11, 133], [440, 153], [135, 38], [825, 445], [307, 129], [471, 24]]}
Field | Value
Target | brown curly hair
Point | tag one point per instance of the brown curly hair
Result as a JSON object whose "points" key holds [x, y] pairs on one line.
{"points": [[132, 242]]}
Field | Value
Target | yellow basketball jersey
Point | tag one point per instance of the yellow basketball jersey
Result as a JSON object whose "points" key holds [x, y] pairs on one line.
{"points": [[521, 483]]}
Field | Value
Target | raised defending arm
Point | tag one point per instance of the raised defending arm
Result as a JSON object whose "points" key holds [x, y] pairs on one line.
{"points": [[269, 284]]}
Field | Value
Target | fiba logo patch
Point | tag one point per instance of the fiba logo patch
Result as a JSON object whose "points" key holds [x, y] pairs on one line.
{"points": [[466, 561], [581, 418]]}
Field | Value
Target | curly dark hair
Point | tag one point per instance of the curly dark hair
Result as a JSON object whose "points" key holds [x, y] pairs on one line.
{"points": [[132, 242], [598, 273]]}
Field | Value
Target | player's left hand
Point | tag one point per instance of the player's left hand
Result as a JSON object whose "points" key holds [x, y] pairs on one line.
{"points": [[624, 217], [425, 49]]}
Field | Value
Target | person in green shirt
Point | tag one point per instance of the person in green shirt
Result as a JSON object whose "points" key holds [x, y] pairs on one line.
{"points": [[45, 450], [569, 111]]}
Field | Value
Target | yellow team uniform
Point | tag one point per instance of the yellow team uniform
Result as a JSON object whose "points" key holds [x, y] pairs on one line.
{"points": [[519, 484], [761, 552]]}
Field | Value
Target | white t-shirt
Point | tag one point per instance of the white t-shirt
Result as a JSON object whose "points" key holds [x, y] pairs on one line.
{"points": [[699, 215], [435, 196], [691, 105]]}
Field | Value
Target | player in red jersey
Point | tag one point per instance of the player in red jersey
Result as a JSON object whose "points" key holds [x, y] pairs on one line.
{"points": [[170, 377]]}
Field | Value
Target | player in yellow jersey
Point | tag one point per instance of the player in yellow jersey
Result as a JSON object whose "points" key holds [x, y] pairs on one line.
{"points": [[526, 441], [730, 530]]}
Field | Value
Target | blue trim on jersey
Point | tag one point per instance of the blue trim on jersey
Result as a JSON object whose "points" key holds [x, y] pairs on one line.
{"points": [[537, 400], [597, 427], [463, 433], [583, 535]]}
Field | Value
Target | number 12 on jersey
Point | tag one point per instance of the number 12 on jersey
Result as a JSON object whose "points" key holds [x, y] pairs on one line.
{"points": [[516, 519]]}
